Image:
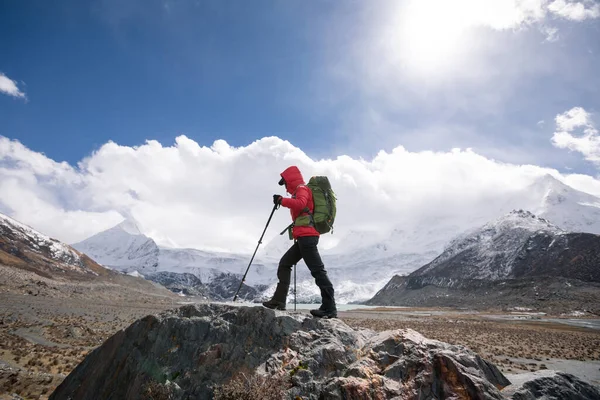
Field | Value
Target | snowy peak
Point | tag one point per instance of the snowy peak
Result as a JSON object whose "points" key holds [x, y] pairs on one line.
{"points": [[568, 208], [521, 219], [506, 231], [555, 193], [122, 247], [23, 246], [550, 183], [128, 226], [490, 251]]}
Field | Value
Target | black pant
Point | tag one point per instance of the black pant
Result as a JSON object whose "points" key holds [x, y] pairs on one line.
{"points": [[306, 248]]}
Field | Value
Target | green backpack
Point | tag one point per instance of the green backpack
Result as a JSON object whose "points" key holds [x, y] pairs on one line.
{"points": [[324, 200]]}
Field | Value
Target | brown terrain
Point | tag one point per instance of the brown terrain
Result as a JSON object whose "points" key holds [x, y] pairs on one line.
{"points": [[47, 326]]}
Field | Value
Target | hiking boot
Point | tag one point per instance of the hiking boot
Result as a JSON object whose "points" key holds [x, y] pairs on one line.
{"points": [[278, 300], [327, 308], [274, 305], [324, 313]]}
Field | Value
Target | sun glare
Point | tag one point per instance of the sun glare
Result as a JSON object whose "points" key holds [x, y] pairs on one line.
{"points": [[433, 36]]}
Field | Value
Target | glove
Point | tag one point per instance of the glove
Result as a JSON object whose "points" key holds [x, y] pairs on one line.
{"points": [[277, 199]]}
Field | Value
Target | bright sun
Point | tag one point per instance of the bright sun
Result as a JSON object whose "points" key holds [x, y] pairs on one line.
{"points": [[431, 36]]}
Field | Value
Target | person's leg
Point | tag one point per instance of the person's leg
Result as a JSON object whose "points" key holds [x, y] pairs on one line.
{"points": [[310, 254], [284, 273]]}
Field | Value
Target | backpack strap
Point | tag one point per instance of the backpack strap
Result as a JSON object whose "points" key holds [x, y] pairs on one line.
{"points": [[288, 230], [305, 210]]}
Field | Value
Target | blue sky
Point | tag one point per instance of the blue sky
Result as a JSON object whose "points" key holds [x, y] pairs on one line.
{"points": [[134, 70], [131, 71]]}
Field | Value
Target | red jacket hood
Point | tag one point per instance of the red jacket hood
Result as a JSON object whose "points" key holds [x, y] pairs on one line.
{"points": [[293, 178]]}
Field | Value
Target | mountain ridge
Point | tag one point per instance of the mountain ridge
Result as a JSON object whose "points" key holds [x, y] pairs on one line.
{"points": [[498, 264], [362, 261]]}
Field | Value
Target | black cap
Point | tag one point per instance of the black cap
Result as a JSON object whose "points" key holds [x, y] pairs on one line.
{"points": [[281, 182]]}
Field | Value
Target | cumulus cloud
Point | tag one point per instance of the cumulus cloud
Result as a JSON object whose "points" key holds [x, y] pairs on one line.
{"points": [[576, 131], [218, 197], [575, 10], [9, 87], [502, 14], [45, 194]]}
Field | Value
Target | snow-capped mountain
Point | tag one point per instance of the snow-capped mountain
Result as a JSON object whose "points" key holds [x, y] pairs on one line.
{"points": [[489, 252], [567, 208], [363, 261], [23, 246], [515, 260], [126, 249], [122, 247]]}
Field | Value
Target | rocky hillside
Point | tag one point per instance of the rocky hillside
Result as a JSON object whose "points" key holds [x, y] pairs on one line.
{"points": [[517, 260], [25, 248], [33, 263], [515, 246], [217, 351]]}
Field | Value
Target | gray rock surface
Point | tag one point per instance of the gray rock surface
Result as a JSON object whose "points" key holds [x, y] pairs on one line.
{"points": [[189, 351], [551, 385]]}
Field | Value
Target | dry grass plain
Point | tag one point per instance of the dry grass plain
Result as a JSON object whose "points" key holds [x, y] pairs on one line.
{"points": [[48, 326]]}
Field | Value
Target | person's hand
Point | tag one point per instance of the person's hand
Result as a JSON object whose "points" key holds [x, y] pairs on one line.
{"points": [[277, 199]]}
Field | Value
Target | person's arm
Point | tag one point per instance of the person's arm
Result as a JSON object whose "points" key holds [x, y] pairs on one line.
{"points": [[301, 200]]}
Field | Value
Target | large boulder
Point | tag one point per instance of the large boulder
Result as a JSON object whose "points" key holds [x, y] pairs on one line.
{"points": [[188, 352], [550, 385]]}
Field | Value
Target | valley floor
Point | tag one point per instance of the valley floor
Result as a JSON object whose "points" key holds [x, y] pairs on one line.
{"points": [[48, 326], [44, 334]]}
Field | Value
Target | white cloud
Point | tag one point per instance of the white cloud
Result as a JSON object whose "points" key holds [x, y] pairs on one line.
{"points": [[550, 32], [9, 87], [587, 141], [219, 197], [584, 183], [575, 10], [506, 14], [574, 118]]}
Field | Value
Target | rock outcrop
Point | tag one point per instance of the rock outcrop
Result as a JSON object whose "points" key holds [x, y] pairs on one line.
{"points": [[189, 352], [551, 385]]}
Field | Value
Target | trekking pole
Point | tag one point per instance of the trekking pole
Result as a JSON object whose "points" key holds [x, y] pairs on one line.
{"points": [[275, 207], [295, 283]]}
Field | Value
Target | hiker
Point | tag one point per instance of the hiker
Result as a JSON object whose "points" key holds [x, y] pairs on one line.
{"points": [[306, 239]]}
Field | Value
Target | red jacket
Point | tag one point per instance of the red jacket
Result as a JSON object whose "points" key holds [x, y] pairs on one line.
{"points": [[301, 198]]}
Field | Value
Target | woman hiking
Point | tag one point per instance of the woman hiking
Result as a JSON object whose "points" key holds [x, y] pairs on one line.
{"points": [[306, 238]]}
